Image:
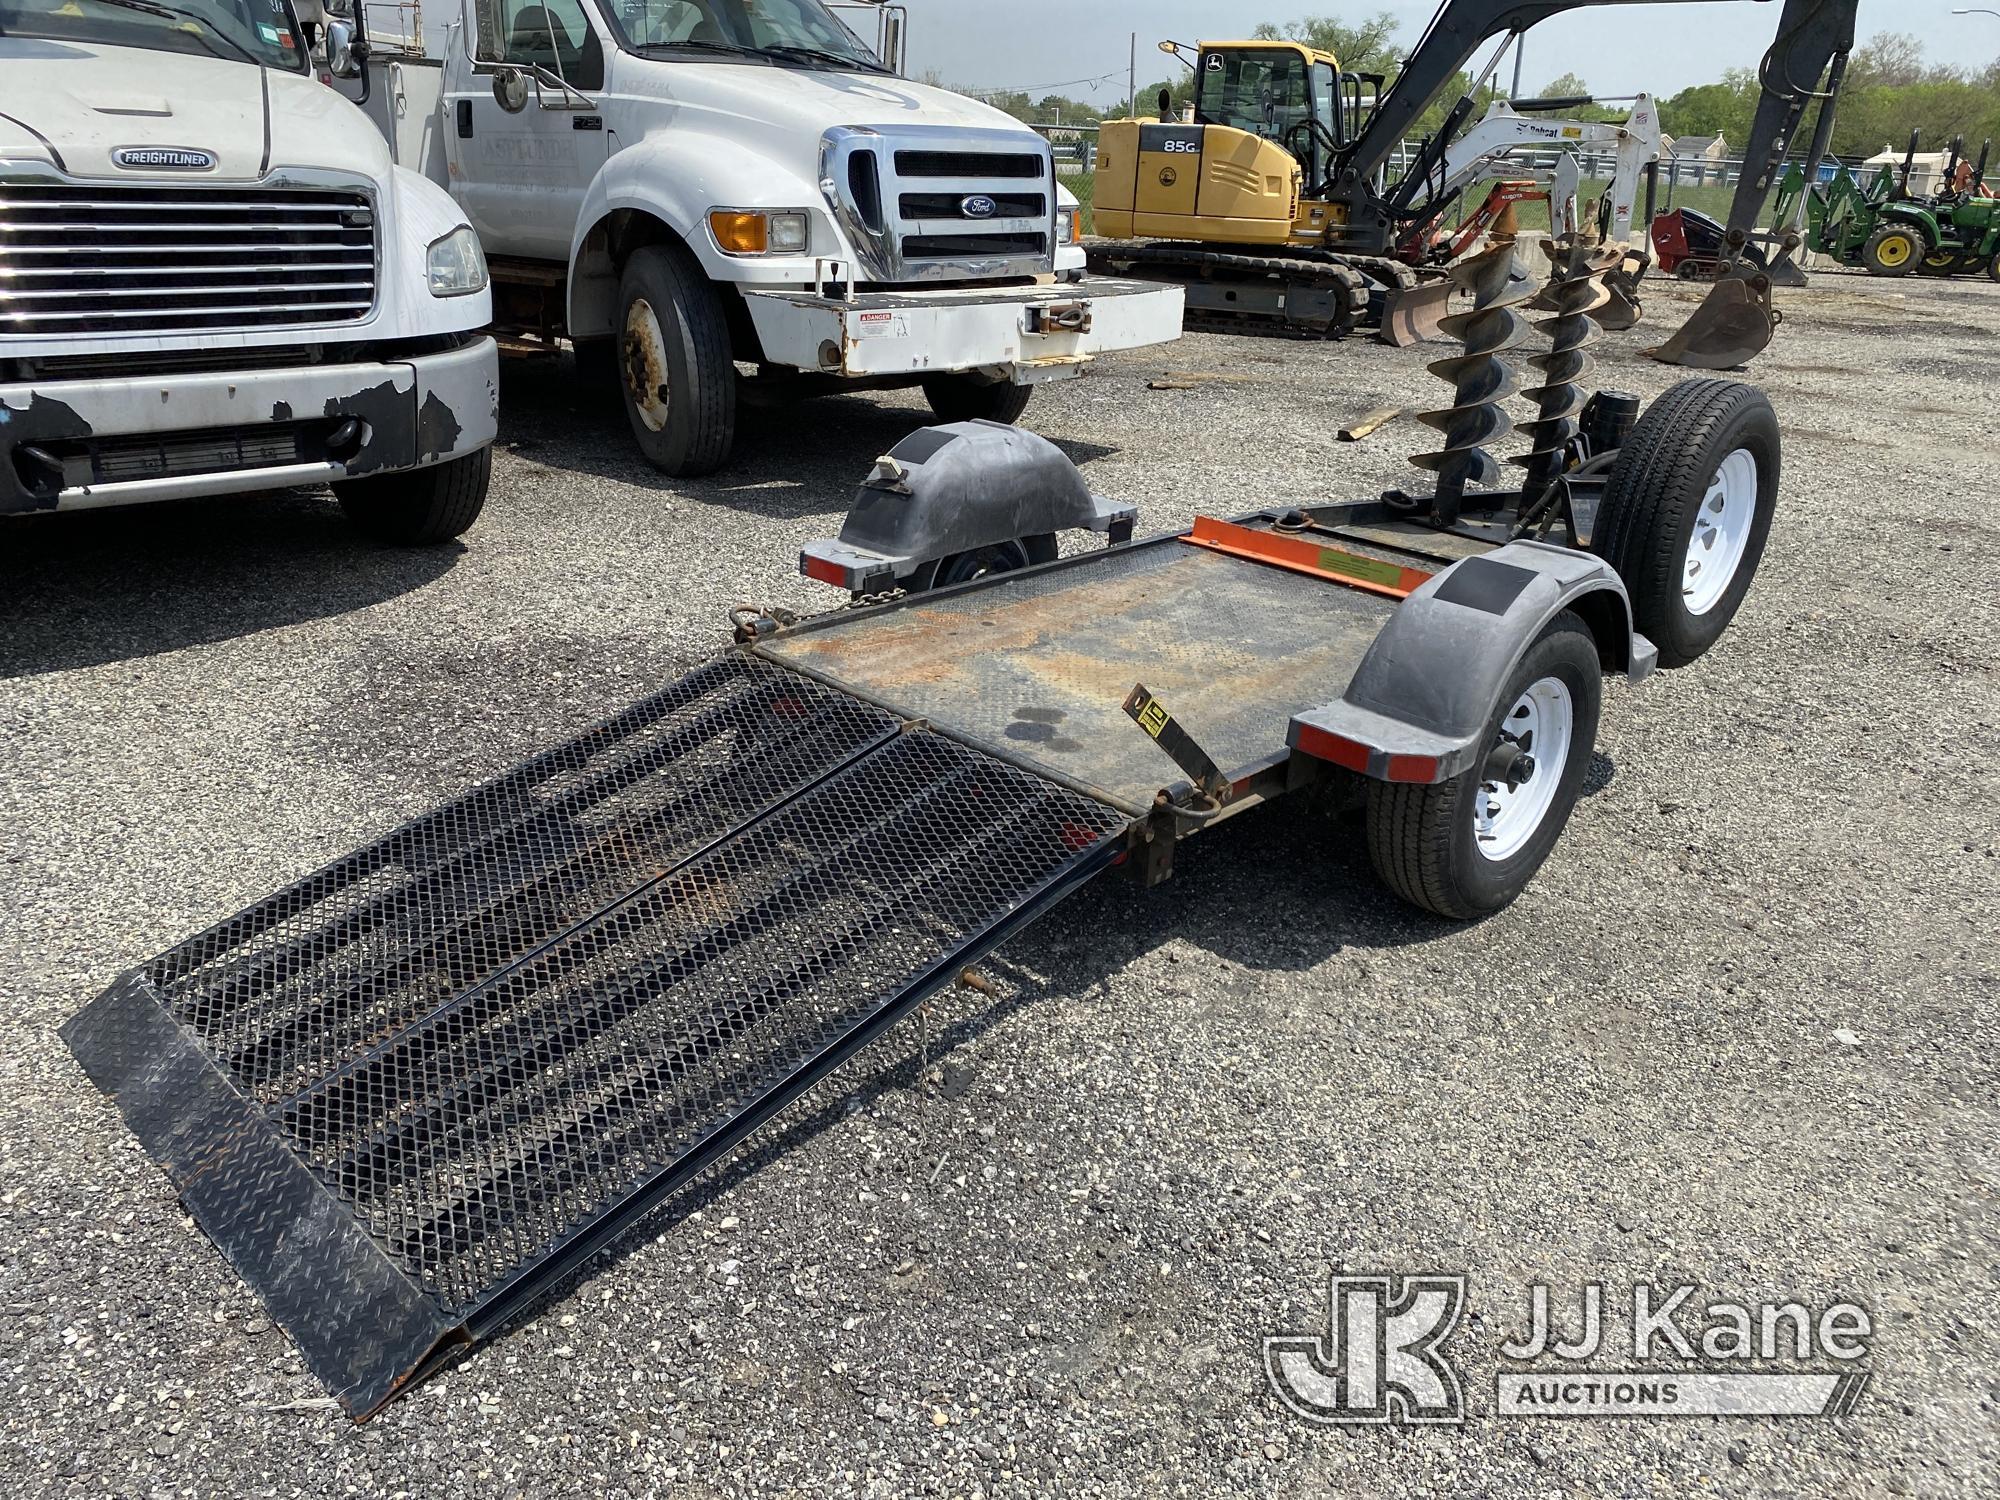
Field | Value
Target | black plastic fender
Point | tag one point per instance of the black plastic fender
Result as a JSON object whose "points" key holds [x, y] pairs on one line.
{"points": [[1428, 683], [956, 488]]}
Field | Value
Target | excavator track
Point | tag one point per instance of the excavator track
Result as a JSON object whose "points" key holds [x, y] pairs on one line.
{"points": [[1304, 295]]}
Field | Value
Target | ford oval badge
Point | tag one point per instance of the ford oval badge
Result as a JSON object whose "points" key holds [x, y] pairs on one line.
{"points": [[164, 158], [978, 206]]}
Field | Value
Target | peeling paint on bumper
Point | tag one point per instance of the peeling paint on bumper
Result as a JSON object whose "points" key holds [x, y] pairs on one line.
{"points": [[406, 413]]}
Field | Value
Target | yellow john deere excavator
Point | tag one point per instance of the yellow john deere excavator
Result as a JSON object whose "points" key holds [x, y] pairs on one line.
{"points": [[1271, 205]]}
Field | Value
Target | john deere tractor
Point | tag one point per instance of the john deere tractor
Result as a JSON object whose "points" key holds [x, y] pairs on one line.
{"points": [[1885, 230]]}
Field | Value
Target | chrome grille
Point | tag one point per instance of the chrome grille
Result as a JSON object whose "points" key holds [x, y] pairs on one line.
{"points": [[902, 197], [102, 258]]}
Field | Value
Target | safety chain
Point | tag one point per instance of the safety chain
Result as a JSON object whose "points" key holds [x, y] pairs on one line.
{"points": [[750, 622]]}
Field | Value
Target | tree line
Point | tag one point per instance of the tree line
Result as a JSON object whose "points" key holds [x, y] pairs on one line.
{"points": [[1890, 90]]}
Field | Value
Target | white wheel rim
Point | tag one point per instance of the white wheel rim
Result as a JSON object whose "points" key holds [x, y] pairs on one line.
{"points": [[1721, 533], [1506, 810], [645, 365]]}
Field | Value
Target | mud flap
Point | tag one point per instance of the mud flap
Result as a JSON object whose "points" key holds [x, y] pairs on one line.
{"points": [[1732, 326], [1411, 315]]}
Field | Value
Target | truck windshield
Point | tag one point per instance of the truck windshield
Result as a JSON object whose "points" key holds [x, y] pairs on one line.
{"points": [[263, 32], [801, 33]]}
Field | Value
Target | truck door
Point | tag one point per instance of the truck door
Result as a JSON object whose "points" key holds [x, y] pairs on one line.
{"points": [[520, 175]]}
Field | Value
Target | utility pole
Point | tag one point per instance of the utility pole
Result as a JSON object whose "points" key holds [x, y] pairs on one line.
{"points": [[1132, 81]]}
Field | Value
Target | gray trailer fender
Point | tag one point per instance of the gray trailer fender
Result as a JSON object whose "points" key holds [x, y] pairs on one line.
{"points": [[956, 488], [1418, 703]]}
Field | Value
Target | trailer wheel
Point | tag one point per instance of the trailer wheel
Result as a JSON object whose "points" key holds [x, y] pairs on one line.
{"points": [[419, 507], [1466, 847], [1892, 250], [1687, 509], [674, 362], [998, 557], [962, 398]]}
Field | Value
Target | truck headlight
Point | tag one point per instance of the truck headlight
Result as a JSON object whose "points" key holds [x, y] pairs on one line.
{"points": [[1069, 226], [457, 264], [752, 231]]}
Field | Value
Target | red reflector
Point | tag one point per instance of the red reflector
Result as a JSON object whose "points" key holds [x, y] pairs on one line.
{"points": [[1322, 744], [825, 571], [1417, 768]]}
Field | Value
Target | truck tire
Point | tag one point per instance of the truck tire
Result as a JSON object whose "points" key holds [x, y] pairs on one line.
{"points": [[1892, 250], [419, 507], [675, 368], [962, 398], [1687, 509], [1466, 847]]}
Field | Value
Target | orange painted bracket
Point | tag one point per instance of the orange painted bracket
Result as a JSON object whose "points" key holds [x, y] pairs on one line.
{"points": [[1304, 554]]}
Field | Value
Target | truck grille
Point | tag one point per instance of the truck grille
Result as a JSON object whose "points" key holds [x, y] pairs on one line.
{"points": [[902, 196], [102, 258]]}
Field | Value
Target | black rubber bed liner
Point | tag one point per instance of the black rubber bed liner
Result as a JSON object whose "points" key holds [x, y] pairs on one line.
{"points": [[408, 1093]]}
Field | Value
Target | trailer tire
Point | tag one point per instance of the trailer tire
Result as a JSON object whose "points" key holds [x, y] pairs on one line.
{"points": [[1426, 842], [419, 507], [1691, 492], [997, 557], [962, 398], [676, 375], [1892, 250]]}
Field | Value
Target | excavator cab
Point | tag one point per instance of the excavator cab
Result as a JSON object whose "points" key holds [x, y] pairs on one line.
{"points": [[1270, 119]]}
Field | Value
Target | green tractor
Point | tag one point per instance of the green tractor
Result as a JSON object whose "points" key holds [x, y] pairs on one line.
{"points": [[1890, 233]]}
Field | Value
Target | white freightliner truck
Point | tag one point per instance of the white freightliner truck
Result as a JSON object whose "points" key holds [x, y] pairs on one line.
{"points": [[214, 279], [712, 197]]}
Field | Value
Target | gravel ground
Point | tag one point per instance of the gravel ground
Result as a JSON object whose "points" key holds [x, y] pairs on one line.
{"points": [[1740, 1033]]}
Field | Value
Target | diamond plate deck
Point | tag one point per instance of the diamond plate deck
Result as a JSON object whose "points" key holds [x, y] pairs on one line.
{"points": [[407, 1093]]}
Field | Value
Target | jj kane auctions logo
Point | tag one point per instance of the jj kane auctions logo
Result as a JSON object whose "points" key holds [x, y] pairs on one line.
{"points": [[1380, 1357]]}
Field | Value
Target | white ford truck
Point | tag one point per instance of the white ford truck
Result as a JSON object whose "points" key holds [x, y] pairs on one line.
{"points": [[213, 278], [704, 193]]}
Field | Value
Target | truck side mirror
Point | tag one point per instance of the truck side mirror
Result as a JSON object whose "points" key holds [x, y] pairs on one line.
{"points": [[510, 90], [341, 60]]}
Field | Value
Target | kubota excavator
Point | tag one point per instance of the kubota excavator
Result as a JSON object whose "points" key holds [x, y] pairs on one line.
{"points": [[1271, 205]]}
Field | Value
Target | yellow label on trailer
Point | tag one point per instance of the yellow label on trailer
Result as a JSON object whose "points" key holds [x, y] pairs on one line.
{"points": [[1153, 718], [1347, 565]]}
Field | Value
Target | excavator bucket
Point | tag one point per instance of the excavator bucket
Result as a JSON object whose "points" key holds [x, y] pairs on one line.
{"points": [[1732, 326], [1785, 271], [1411, 315]]}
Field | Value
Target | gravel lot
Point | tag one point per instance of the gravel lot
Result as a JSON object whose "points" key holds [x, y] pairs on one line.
{"points": [[1047, 1265]]}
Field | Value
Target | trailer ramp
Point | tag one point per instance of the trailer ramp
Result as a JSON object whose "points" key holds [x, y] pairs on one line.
{"points": [[408, 1093]]}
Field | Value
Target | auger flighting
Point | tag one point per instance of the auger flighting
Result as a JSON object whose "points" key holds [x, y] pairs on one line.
{"points": [[1480, 378]]}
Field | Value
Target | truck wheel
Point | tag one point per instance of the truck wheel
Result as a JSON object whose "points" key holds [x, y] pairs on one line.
{"points": [[961, 398], [1687, 509], [1466, 847], [419, 507], [1892, 250], [674, 363]]}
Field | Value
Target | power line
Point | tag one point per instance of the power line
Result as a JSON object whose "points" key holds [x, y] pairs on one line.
{"points": [[1036, 88]]}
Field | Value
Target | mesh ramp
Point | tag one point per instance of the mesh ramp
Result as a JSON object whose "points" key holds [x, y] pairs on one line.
{"points": [[409, 1092]]}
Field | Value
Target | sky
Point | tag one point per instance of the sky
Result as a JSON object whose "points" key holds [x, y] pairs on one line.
{"points": [[1617, 49]]}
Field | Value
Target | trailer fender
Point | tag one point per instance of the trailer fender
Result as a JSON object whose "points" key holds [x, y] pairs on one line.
{"points": [[1417, 706], [953, 489]]}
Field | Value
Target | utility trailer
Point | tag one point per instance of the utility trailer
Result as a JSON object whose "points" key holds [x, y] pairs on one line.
{"points": [[410, 1093]]}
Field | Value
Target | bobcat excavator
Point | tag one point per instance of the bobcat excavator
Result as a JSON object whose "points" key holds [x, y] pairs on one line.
{"points": [[1272, 205]]}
